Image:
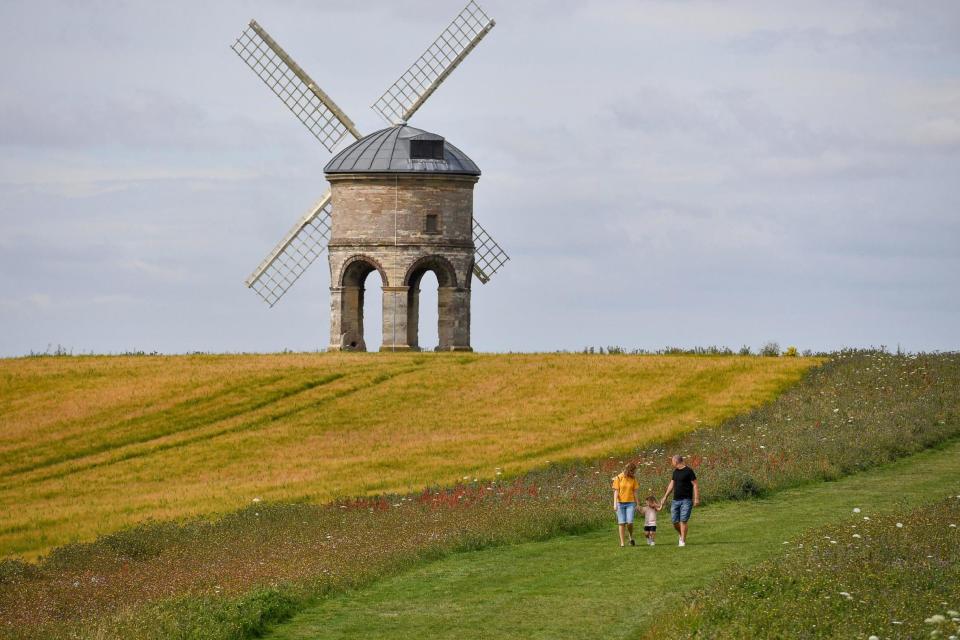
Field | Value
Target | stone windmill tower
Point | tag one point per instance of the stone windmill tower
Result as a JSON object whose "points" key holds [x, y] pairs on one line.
{"points": [[401, 199]]}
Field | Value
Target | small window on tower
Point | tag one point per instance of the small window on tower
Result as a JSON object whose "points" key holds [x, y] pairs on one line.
{"points": [[426, 149], [433, 223]]}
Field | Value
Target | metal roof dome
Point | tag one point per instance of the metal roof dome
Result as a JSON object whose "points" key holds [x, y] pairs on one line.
{"points": [[388, 151]]}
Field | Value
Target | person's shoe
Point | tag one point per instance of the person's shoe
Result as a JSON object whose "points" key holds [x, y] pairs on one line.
{"points": [[633, 542], [681, 543], [652, 543]]}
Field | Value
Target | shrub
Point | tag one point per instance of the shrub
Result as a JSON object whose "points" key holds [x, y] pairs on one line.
{"points": [[791, 352], [770, 349]]}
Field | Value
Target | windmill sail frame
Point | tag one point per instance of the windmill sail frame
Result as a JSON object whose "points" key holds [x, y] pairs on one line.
{"points": [[295, 88], [402, 99], [299, 248]]}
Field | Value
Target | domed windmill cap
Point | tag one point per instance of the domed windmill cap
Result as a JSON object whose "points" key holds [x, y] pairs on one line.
{"points": [[402, 149]]}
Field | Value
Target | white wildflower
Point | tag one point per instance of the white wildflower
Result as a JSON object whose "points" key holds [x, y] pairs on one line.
{"points": [[856, 509], [899, 525], [256, 499], [856, 535], [935, 619]]}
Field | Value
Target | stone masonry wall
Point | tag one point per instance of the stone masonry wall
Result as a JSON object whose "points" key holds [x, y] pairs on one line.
{"points": [[379, 221]]}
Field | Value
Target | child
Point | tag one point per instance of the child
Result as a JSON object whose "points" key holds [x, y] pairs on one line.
{"points": [[625, 501], [650, 519]]}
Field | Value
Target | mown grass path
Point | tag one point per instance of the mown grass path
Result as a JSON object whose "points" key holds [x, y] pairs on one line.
{"points": [[587, 587]]}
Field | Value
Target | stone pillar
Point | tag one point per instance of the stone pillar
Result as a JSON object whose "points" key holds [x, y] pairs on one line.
{"points": [[413, 317], [454, 314], [346, 319], [395, 319]]}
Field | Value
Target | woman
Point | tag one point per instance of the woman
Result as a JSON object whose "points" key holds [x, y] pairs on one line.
{"points": [[625, 500]]}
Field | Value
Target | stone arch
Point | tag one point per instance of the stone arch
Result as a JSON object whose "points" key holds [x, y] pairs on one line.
{"points": [[446, 282], [356, 268], [446, 274], [350, 282]]}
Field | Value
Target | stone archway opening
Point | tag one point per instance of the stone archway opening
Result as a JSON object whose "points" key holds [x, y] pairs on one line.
{"points": [[424, 311], [423, 297], [361, 289]]}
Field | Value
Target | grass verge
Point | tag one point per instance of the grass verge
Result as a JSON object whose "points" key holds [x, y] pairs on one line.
{"points": [[888, 576]]}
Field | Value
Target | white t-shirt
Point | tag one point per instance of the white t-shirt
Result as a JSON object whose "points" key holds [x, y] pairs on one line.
{"points": [[649, 516]]}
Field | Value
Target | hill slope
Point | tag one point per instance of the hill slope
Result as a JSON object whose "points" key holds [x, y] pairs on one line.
{"points": [[587, 587], [91, 444]]}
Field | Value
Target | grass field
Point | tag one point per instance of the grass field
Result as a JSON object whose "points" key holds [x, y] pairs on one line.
{"points": [[892, 576], [233, 578], [587, 587], [89, 445]]}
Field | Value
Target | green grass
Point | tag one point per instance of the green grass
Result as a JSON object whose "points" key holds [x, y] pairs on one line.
{"points": [[886, 576], [91, 445], [587, 587], [231, 577]]}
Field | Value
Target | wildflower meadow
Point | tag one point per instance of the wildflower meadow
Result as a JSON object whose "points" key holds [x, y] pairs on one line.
{"points": [[887, 576]]}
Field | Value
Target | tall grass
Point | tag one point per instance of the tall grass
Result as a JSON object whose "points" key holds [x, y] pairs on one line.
{"points": [[891, 576], [227, 578], [89, 445]]}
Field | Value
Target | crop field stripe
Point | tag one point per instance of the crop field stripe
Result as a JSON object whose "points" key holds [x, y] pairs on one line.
{"points": [[587, 587], [682, 403], [185, 416], [280, 414], [92, 444]]}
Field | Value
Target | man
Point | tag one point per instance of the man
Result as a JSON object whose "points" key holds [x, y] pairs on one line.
{"points": [[686, 495]]}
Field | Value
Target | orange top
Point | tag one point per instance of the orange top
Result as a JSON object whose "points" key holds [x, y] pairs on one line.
{"points": [[626, 488]]}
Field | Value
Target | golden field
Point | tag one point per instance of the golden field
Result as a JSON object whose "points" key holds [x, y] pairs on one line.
{"points": [[92, 444]]}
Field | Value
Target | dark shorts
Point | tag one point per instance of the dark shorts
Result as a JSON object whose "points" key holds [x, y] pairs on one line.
{"points": [[680, 510], [651, 527]]}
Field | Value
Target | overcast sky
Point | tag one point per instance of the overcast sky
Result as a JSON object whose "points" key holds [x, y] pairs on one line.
{"points": [[663, 173]]}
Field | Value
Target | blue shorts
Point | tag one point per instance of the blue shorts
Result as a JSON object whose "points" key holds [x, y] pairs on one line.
{"points": [[680, 510], [625, 512]]}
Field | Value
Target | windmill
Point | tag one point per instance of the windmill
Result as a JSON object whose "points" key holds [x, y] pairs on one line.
{"points": [[308, 238]]}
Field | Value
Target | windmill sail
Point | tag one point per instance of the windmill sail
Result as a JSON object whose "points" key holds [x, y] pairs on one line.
{"points": [[314, 108], [488, 255], [410, 91], [303, 244]]}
